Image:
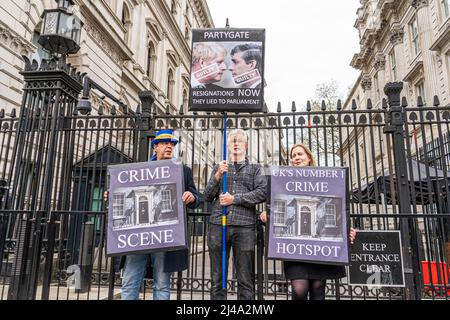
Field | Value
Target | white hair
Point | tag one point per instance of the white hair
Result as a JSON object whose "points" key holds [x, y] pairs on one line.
{"points": [[236, 132]]}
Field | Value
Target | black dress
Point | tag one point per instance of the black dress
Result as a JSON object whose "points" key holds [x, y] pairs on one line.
{"points": [[312, 271]]}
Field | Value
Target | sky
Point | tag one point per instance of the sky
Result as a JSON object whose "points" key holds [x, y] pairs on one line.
{"points": [[308, 42]]}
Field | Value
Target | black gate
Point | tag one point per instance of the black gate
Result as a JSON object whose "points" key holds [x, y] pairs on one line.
{"points": [[54, 155]]}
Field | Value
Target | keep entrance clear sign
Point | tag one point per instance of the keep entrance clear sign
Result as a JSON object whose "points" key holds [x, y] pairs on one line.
{"points": [[376, 259]]}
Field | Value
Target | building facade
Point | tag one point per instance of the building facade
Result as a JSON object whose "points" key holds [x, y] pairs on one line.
{"points": [[403, 40], [126, 46]]}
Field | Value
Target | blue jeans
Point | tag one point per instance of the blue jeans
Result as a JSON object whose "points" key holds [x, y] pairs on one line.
{"points": [[134, 272], [242, 240]]}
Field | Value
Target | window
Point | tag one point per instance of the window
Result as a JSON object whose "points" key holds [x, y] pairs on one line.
{"points": [[97, 199], [150, 57], [330, 215], [166, 200], [118, 201], [445, 8], [420, 90], [170, 85], [280, 212], [415, 37], [126, 21], [96, 206], [377, 87], [393, 62], [185, 101], [187, 34], [173, 8]]}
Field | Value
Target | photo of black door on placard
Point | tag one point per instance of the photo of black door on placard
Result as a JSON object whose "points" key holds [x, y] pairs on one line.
{"points": [[306, 221], [143, 210]]}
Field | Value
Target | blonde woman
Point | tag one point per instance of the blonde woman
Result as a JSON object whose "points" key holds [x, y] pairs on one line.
{"points": [[308, 278]]}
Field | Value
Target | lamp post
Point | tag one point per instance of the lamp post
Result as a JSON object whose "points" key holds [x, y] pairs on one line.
{"points": [[61, 29], [60, 35]]}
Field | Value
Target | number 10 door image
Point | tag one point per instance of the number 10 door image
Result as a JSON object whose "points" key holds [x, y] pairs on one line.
{"points": [[305, 217], [144, 207]]}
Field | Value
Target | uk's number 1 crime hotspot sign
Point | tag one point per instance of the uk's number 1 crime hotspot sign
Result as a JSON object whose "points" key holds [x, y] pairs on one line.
{"points": [[145, 212], [227, 70], [308, 215]]}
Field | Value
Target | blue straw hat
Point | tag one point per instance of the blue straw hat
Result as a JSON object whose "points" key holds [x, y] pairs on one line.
{"points": [[164, 136]]}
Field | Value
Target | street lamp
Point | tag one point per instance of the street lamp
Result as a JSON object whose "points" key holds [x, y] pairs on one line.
{"points": [[61, 29]]}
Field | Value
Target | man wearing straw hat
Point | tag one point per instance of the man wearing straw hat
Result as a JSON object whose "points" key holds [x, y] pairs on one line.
{"points": [[164, 263]]}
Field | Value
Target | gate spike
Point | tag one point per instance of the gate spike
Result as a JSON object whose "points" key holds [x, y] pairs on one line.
{"points": [[279, 107], [369, 104], [294, 108], [13, 113], [181, 112], [265, 109], [384, 103], [167, 109], [323, 106], [113, 110], [2, 113], [404, 102], [339, 105], [308, 106], [354, 106], [419, 102], [138, 109], [436, 102], [100, 110]]}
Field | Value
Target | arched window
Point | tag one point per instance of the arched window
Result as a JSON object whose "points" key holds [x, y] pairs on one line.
{"points": [[150, 60], [173, 8], [185, 101], [170, 85], [187, 34], [126, 21]]}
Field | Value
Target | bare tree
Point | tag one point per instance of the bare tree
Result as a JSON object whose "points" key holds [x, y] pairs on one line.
{"points": [[323, 141]]}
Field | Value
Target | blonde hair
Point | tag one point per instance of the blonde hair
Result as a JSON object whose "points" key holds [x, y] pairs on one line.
{"points": [[312, 161], [207, 51]]}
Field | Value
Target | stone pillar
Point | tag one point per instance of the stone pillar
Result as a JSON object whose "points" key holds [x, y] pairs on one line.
{"points": [[426, 40], [397, 35]]}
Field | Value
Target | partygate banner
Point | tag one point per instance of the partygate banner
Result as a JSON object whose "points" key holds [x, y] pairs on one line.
{"points": [[308, 215], [145, 212], [376, 259], [227, 70]]}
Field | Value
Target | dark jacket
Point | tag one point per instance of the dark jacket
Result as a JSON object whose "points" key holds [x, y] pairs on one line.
{"points": [[178, 260], [247, 185]]}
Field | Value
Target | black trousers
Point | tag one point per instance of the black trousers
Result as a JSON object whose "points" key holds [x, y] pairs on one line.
{"points": [[242, 240]]}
